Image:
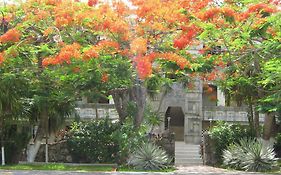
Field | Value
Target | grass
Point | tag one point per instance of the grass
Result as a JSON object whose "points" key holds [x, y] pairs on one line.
{"points": [[57, 166], [77, 167]]}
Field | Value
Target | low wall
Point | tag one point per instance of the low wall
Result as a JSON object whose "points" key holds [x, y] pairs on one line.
{"points": [[208, 151], [58, 152], [166, 141]]}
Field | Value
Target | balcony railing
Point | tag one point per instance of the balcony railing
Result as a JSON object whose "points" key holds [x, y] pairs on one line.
{"points": [[223, 113], [95, 111]]}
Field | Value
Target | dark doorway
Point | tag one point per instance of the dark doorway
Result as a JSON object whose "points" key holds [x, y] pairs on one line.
{"points": [[176, 123]]}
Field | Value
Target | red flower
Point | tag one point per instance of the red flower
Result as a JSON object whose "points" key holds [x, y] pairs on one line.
{"points": [[92, 2], [90, 53], [180, 43], [2, 58], [104, 77], [12, 35], [144, 68]]}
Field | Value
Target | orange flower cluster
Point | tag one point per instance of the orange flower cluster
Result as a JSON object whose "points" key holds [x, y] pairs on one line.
{"points": [[91, 53], [40, 15], [63, 20], [2, 58], [92, 2], [181, 62], [109, 44], [52, 2], [186, 38], [194, 5], [212, 76], [48, 31], [144, 67], [228, 12], [261, 7], [65, 55], [144, 64], [139, 46], [104, 77], [257, 9], [105, 46], [65, 12], [121, 8], [212, 13], [12, 35], [209, 14]]}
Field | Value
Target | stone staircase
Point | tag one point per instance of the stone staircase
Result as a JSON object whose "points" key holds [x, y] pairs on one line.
{"points": [[187, 154]]}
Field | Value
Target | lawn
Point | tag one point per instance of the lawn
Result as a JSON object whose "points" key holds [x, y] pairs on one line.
{"points": [[67, 167], [58, 166]]}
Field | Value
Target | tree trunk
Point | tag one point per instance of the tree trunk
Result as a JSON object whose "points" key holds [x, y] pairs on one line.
{"points": [[251, 115], [257, 122], [123, 97], [32, 150], [139, 97], [268, 125], [121, 100]]}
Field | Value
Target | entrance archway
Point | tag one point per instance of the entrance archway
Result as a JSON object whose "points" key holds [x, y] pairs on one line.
{"points": [[174, 120]]}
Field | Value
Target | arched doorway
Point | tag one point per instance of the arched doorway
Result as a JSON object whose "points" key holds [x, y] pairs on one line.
{"points": [[174, 120]]}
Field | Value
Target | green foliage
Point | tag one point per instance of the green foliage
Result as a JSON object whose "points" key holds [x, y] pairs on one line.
{"points": [[148, 156], [223, 134], [94, 142], [277, 145], [16, 138], [249, 155], [102, 141], [129, 138]]}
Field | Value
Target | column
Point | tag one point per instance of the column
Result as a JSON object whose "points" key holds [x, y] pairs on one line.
{"points": [[220, 97]]}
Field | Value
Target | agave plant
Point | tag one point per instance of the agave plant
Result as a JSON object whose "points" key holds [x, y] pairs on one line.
{"points": [[250, 155], [149, 157]]}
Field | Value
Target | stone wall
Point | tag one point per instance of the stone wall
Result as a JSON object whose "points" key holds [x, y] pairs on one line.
{"points": [[208, 150], [166, 141], [58, 152]]}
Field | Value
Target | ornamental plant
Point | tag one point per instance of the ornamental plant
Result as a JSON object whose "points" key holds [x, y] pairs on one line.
{"points": [[250, 155], [149, 157]]}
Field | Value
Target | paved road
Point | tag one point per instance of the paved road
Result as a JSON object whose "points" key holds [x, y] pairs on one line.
{"points": [[195, 170]]}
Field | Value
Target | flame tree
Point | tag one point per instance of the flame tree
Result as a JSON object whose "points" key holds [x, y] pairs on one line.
{"points": [[72, 48]]}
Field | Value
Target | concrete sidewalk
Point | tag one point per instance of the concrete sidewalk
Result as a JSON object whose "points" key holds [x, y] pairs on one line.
{"points": [[192, 170]]}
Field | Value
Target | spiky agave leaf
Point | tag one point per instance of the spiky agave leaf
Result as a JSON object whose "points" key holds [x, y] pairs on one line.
{"points": [[250, 155], [149, 157], [258, 157]]}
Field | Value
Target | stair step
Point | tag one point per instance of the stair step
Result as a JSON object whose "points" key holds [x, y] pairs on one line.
{"points": [[191, 161], [188, 156], [186, 149]]}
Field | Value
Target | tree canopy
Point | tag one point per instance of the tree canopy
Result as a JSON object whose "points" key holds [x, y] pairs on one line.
{"points": [[64, 49]]}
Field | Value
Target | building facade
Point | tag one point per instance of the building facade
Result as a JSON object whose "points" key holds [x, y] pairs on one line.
{"points": [[186, 112]]}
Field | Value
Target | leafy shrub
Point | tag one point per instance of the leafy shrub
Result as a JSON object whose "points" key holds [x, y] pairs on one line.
{"points": [[223, 134], [128, 138], [148, 156], [249, 155], [15, 142], [277, 145], [94, 142], [102, 141]]}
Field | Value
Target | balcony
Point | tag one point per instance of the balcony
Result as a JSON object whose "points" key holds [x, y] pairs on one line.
{"points": [[91, 111], [230, 114]]}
